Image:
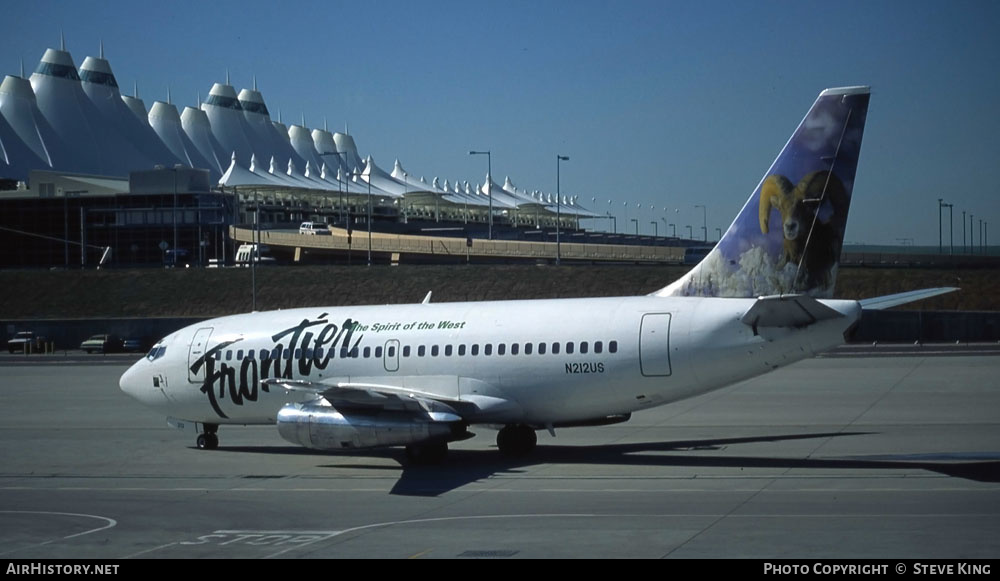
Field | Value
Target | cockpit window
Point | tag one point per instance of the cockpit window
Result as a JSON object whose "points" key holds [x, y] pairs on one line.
{"points": [[156, 352]]}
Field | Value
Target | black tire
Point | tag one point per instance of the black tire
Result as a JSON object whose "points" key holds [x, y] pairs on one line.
{"points": [[516, 440], [207, 441]]}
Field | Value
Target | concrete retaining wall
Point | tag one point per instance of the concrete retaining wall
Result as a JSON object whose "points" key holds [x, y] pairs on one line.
{"points": [[928, 326]]}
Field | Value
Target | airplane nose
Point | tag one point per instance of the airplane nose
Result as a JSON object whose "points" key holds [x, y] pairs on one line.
{"points": [[128, 382]]}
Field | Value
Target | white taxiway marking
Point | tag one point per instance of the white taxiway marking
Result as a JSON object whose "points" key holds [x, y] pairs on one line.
{"points": [[110, 522]]}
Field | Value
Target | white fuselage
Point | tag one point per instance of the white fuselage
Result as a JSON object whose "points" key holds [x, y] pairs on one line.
{"points": [[540, 363]]}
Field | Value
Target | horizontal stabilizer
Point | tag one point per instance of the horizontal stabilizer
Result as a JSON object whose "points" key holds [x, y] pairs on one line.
{"points": [[787, 311], [884, 302]]}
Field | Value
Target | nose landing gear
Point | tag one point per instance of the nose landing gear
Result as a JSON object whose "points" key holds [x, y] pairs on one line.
{"points": [[210, 439]]}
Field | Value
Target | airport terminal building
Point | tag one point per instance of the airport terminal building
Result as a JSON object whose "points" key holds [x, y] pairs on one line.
{"points": [[85, 169]]}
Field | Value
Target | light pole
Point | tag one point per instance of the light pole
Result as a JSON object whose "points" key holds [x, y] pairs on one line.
{"points": [[636, 220], [369, 180], [690, 232], [340, 189], [340, 207], [559, 159], [940, 239], [673, 231], [174, 170], [718, 232], [406, 192], [965, 249], [951, 227], [489, 175], [656, 229], [704, 219]]}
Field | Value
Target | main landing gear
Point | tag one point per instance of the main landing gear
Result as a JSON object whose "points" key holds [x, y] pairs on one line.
{"points": [[515, 440], [210, 439]]}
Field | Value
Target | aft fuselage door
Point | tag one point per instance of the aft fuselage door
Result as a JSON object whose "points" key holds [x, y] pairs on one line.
{"points": [[199, 343], [654, 344], [391, 355]]}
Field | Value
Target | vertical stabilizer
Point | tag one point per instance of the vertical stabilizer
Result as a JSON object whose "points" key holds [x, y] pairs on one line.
{"points": [[788, 236]]}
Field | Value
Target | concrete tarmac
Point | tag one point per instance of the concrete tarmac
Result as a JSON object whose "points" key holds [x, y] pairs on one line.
{"points": [[856, 456]]}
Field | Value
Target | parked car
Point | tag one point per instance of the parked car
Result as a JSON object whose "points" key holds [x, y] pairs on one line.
{"points": [[102, 344], [25, 342], [178, 258], [135, 344]]}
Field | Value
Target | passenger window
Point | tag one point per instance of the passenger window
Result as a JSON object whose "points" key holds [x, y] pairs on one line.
{"points": [[288, 354], [378, 352], [613, 347], [391, 350], [513, 348], [461, 350], [354, 353], [447, 350], [250, 354], [239, 355], [229, 355], [555, 348], [475, 349], [583, 347], [434, 350], [265, 354], [308, 353], [488, 349], [569, 347], [276, 353], [541, 348], [344, 353], [501, 349], [527, 348], [406, 351], [598, 347], [298, 353], [218, 355], [421, 351], [319, 353], [368, 352]]}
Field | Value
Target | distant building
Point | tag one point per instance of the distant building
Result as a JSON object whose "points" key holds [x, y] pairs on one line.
{"points": [[155, 217]]}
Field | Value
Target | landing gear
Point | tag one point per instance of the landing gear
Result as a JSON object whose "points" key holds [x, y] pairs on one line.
{"points": [[210, 439], [515, 440], [428, 452]]}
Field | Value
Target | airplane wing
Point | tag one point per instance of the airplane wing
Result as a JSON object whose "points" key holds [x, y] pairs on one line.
{"points": [[787, 311], [884, 302], [348, 395]]}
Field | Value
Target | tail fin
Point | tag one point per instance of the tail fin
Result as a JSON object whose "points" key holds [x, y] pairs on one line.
{"points": [[788, 236]]}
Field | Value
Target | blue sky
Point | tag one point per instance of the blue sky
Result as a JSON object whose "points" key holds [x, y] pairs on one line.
{"points": [[662, 104]]}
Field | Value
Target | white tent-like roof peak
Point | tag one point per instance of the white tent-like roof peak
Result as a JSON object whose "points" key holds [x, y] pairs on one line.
{"points": [[97, 65]]}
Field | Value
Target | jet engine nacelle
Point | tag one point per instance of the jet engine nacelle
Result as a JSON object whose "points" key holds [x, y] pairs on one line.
{"points": [[322, 427]]}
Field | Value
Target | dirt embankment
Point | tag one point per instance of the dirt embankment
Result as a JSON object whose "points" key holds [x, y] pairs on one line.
{"points": [[214, 292]]}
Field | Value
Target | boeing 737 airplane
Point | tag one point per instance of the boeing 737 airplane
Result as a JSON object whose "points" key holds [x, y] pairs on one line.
{"points": [[420, 375]]}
